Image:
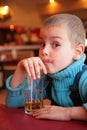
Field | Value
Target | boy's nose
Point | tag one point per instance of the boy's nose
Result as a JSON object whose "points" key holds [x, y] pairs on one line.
{"points": [[46, 50]]}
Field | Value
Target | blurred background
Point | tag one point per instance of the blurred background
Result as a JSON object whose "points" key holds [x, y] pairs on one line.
{"points": [[20, 22]]}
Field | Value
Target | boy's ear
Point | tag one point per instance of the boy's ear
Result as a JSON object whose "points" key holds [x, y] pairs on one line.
{"points": [[79, 50]]}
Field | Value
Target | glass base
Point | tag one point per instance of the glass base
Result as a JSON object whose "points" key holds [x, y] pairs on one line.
{"points": [[29, 112]]}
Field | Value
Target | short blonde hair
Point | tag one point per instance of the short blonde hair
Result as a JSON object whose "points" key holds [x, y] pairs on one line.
{"points": [[74, 24]]}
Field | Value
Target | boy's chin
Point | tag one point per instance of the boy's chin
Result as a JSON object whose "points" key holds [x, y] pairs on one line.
{"points": [[51, 72]]}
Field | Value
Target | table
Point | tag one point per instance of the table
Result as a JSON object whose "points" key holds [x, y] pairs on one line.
{"points": [[16, 119]]}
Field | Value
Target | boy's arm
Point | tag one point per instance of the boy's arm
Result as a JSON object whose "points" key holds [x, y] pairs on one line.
{"points": [[14, 96], [61, 113], [78, 113]]}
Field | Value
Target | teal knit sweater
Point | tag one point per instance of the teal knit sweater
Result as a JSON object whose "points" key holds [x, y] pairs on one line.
{"points": [[61, 82]]}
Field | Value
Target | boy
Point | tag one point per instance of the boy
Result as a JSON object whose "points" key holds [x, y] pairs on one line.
{"points": [[61, 57]]}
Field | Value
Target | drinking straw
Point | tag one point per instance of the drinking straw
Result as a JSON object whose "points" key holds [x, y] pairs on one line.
{"points": [[30, 83], [31, 87]]}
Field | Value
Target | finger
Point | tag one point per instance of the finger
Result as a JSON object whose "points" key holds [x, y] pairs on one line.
{"points": [[31, 68], [43, 114], [42, 111], [36, 67], [42, 66], [25, 67], [47, 106]]}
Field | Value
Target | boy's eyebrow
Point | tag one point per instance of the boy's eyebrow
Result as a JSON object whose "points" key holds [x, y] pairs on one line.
{"points": [[52, 37], [56, 37]]}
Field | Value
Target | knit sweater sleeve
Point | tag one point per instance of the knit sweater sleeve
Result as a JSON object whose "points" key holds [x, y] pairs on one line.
{"points": [[83, 88], [14, 96]]}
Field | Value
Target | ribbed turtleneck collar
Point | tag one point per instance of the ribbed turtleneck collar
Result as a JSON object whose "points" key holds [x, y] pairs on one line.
{"points": [[70, 70]]}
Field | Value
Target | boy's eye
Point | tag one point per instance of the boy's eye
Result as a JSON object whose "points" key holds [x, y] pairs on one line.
{"points": [[42, 44], [55, 44]]}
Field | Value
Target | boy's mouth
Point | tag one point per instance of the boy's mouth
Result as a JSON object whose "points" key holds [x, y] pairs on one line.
{"points": [[47, 61]]}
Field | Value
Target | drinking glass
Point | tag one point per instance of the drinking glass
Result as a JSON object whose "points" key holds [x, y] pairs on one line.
{"points": [[33, 95]]}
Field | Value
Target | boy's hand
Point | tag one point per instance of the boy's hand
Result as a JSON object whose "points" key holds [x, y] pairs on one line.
{"points": [[30, 67], [33, 66], [52, 113]]}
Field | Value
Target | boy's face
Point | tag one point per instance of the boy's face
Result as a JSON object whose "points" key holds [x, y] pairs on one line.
{"points": [[56, 50]]}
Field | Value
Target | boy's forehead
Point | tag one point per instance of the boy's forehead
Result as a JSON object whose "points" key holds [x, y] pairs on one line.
{"points": [[57, 25], [54, 29], [60, 32]]}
